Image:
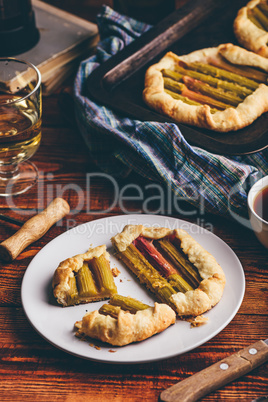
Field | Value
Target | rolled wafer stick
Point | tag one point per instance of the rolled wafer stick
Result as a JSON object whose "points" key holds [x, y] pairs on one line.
{"points": [[33, 229]]}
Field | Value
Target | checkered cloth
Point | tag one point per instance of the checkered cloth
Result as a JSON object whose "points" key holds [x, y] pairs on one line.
{"points": [[158, 151]]}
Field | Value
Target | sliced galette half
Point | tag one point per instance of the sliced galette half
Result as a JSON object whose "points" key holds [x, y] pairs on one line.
{"points": [[173, 266]]}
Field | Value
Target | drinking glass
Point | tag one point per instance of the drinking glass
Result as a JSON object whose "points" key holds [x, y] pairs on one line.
{"points": [[20, 124]]}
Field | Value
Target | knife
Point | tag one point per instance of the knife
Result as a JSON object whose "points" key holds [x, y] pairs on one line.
{"points": [[221, 373]]}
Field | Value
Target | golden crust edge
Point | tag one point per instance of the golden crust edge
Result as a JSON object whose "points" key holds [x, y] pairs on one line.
{"points": [[127, 328]]}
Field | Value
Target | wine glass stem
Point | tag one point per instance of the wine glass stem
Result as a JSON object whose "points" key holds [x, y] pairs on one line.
{"points": [[8, 172]]}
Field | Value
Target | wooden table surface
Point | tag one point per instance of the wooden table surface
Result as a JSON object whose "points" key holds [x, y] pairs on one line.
{"points": [[34, 370]]}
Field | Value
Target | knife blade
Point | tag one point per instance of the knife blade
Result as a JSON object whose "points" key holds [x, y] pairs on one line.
{"points": [[11, 220], [221, 373]]}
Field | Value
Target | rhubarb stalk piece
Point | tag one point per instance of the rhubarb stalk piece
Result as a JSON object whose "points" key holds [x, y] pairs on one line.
{"points": [[181, 72], [252, 18], [157, 260], [84, 278], [101, 268], [128, 303], [260, 17], [73, 291], [264, 8], [186, 100], [195, 96], [108, 309], [227, 97], [147, 274], [223, 74], [182, 264], [118, 302], [85, 282], [244, 71]]}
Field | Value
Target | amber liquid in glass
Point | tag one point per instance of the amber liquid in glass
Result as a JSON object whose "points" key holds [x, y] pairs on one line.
{"points": [[20, 131], [260, 204]]}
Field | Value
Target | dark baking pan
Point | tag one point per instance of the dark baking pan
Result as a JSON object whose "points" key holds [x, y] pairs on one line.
{"points": [[118, 83]]}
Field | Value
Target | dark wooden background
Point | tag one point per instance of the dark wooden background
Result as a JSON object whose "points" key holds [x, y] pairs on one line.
{"points": [[33, 370]]}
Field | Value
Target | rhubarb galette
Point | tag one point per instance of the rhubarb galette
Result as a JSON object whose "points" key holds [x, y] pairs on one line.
{"points": [[172, 265], [125, 320], [251, 27], [84, 278], [222, 88]]}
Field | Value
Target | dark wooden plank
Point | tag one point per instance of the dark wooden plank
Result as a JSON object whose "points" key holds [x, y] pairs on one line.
{"points": [[40, 369]]}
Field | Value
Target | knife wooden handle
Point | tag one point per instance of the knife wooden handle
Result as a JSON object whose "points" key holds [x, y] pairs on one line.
{"points": [[217, 375], [33, 229]]}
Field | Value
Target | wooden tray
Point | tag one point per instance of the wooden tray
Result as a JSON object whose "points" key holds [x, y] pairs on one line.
{"points": [[118, 83]]}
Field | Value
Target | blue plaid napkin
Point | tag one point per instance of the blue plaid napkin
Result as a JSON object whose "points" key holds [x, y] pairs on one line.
{"points": [[158, 151]]}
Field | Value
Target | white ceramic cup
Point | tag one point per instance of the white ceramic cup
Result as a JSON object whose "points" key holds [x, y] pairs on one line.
{"points": [[259, 225]]}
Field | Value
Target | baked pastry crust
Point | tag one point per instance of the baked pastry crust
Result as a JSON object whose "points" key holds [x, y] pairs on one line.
{"points": [[210, 290], [248, 34], [69, 267], [232, 118], [126, 328]]}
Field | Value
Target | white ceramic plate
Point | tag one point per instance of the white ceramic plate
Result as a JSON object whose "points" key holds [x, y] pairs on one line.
{"points": [[56, 324]]}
